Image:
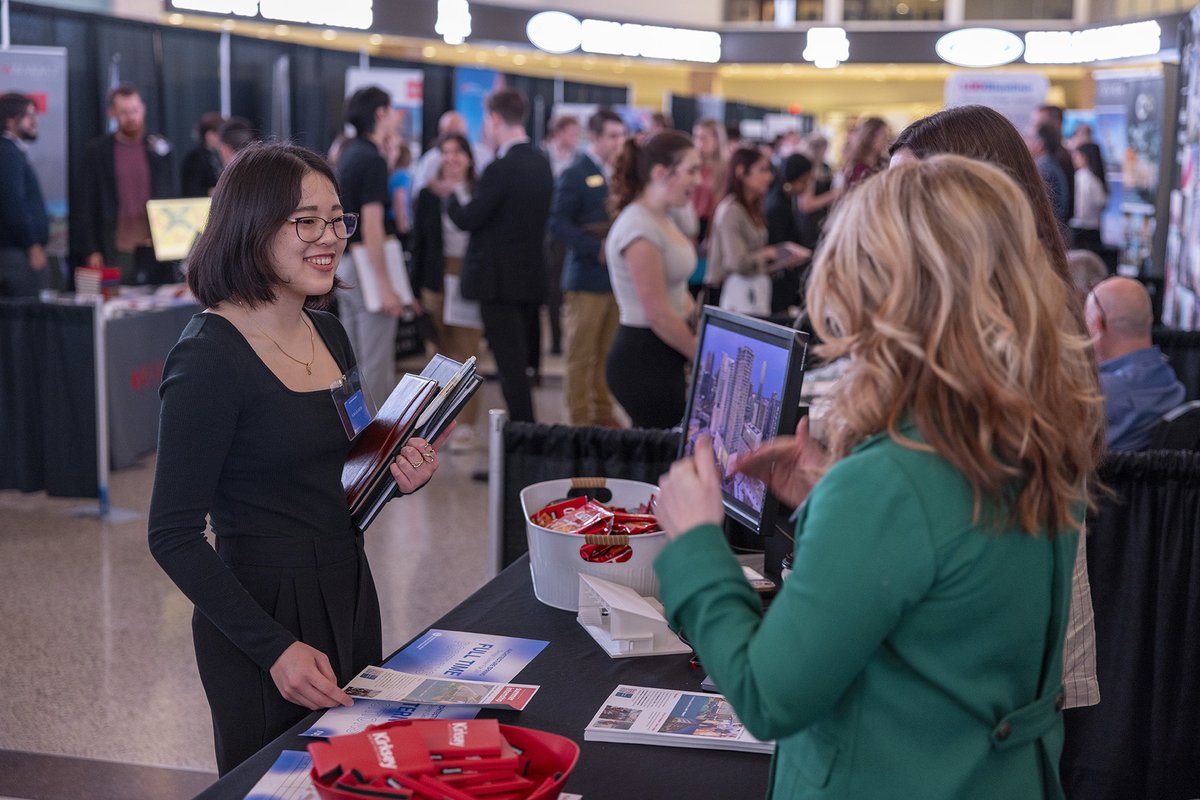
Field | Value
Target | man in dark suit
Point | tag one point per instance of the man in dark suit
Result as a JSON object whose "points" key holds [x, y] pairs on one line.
{"points": [[579, 219], [123, 170], [504, 268]]}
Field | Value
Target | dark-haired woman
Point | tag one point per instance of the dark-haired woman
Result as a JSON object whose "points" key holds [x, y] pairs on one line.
{"points": [[866, 154], [1091, 197], [438, 247], [738, 254], [783, 225], [250, 437], [649, 261]]}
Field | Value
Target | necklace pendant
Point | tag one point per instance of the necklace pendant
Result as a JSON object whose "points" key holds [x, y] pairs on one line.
{"points": [[308, 369]]}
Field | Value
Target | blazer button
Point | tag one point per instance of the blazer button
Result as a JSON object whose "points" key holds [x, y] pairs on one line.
{"points": [[1004, 731]]}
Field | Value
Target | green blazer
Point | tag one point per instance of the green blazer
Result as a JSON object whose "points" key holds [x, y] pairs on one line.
{"points": [[910, 654]]}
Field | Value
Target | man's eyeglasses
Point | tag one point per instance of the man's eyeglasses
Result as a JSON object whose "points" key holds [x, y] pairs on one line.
{"points": [[1096, 299], [311, 229]]}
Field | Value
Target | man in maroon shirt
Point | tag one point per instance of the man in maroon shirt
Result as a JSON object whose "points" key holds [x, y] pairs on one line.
{"points": [[123, 170]]}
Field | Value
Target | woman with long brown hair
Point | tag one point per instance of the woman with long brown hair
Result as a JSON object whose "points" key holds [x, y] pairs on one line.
{"points": [[739, 258], [649, 261], [866, 154], [916, 648]]}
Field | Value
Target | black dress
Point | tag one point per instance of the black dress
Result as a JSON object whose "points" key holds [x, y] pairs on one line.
{"points": [[264, 462]]}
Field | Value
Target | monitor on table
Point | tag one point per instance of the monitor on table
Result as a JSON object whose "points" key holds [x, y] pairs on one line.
{"points": [[175, 224], [746, 382]]}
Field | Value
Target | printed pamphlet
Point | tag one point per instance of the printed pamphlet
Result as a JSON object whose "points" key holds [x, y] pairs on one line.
{"points": [[287, 779], [341, 720], [466, 656], [377, 683], [438, 654], [643, 715]]}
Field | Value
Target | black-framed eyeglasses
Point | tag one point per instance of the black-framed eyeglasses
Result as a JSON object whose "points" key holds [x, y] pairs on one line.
{"points": [[311, 229]]}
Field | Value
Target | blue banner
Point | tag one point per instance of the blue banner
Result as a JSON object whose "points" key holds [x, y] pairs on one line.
{"points": [[471, 86]]}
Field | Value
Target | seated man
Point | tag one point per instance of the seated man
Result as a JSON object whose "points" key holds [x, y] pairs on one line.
{"points": [[1139, 385]]}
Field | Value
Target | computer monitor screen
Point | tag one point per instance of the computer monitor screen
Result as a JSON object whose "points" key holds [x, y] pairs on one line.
{"points": [[745, 390], [175, 224]]}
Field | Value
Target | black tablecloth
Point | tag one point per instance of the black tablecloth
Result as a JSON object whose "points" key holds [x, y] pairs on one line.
{"points": [[575, 677]]}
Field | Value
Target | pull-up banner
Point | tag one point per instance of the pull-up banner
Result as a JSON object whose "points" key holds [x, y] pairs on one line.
{"points": [[41, 73]]}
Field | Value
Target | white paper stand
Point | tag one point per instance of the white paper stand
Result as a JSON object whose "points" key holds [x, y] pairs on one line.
{"points": [[623, 622]]}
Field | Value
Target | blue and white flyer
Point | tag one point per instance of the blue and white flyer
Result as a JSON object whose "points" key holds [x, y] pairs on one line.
{"points": [[287, 779], [466, 656], [437, 653], [341, 720]]}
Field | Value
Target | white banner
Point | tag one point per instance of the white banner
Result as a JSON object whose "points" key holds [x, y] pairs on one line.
{"points": [[1016, 95], [407, 88]]}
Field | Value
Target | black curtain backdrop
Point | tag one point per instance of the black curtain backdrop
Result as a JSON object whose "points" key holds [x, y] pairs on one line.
{"points": [[1183, 350], [685, 112], [535, 453], [594, 93], [1143, 739], [47, 399]]}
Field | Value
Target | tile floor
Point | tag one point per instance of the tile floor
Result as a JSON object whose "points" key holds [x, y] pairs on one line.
{"points": [[95, 645]]}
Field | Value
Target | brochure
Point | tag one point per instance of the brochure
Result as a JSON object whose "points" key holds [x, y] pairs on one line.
{"points": [[643, 715], [466, 656], [341, 720], [439, 654], [377, 683], [287, 779]]}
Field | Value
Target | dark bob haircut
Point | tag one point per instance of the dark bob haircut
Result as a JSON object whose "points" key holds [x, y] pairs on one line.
{"points": [[257, 192], [983, 134]]}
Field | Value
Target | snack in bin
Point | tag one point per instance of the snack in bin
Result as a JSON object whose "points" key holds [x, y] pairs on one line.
{"points": [[442, 759], [590, 518]]}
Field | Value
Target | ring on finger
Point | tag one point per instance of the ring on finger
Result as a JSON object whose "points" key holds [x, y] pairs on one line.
{"points": [[428, 457], [415, 466]]}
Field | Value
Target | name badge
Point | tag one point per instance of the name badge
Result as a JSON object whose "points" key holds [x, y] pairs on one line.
{"points": [[354, 403], [595, 181]]}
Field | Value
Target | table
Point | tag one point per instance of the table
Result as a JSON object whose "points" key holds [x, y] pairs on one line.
{"points": [[48, 397], [575, 678]]}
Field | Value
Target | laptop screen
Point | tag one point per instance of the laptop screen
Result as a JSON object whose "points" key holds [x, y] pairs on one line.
{"points": [[175, 224]]}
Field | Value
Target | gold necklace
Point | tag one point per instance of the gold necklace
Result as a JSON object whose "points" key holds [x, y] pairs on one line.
{"points": [[312, 343]]}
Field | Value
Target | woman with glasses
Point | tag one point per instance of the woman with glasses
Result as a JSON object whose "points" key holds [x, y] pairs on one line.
{"points": [[250, 436]]}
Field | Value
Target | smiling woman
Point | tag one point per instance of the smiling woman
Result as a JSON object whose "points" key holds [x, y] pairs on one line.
{"points": [[250, 437]]}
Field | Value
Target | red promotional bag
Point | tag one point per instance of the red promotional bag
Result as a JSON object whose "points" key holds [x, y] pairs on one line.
{"points": [[443, 760]]}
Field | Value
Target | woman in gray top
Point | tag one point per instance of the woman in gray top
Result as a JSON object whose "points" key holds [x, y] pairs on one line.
{"points": [[649, 261]]}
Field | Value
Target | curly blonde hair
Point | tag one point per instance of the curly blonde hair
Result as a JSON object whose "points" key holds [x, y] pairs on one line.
{"points": [[933, 281]]}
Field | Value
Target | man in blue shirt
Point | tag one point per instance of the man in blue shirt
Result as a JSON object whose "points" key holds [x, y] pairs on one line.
{"points": [[1139, 385], [579, 219], [24, 228]]}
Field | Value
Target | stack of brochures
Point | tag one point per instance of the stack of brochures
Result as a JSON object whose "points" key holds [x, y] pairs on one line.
{"points": [[420, 406], [641, 715]]}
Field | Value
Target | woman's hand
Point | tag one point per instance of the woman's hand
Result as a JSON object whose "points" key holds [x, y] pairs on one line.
{"points": [[304, 676], [415, 464], [690, 494], [786, 464]]}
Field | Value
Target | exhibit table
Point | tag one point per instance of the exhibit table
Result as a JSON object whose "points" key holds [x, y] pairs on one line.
{"points": [[66, 364], [575, 677]]}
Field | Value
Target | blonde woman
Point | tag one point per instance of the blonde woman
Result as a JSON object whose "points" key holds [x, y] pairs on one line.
{"points": [[916, 649], [709, 137]]}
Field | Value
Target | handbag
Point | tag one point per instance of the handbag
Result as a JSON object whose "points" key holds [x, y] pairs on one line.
{"points": [[747, 294]]}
